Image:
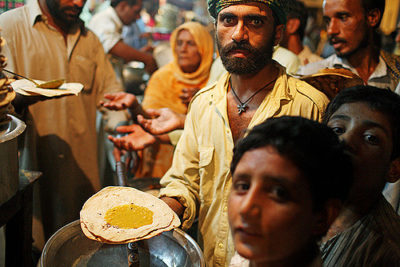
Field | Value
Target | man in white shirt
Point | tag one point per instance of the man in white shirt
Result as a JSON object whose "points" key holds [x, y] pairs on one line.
{"points": [[107, 25], [352, 30]]}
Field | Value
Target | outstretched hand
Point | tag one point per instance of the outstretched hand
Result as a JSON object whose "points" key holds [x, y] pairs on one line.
{"points": [[120, 101], [137, 139], [164, 120]]}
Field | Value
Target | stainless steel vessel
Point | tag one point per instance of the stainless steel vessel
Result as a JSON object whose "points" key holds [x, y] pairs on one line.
{"points": [[9, 174], [70, 247]]}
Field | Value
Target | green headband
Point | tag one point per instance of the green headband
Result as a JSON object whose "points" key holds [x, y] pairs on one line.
{"points": [[215, 6]]}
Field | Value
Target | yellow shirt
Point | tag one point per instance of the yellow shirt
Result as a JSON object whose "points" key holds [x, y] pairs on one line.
{"points": [[200, 176]]}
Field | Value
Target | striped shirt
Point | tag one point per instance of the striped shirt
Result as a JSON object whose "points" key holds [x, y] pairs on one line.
{"points": [[373, 240]]}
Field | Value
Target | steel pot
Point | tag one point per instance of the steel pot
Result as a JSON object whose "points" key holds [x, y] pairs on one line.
{"points": [[70, 247], [9, 174]]}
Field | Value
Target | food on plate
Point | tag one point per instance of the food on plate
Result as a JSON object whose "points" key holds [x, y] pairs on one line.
{"points": [[118, 215], [54, 84]]}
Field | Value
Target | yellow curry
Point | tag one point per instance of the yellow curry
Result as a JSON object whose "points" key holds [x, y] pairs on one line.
{"points": [[129, 216]]}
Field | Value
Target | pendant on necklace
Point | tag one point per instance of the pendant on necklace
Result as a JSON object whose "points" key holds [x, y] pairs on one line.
{"points": [[241, 108]]}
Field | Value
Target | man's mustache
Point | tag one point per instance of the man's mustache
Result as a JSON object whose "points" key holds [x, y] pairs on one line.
{"points": [[238, 46], [76, 10], [333, 40]]}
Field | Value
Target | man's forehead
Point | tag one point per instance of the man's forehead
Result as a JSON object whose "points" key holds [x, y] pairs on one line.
{"points": [[250, 7], [342, 5]]}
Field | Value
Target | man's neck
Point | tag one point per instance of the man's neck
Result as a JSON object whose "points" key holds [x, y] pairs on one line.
{"points": [[353, 210], [365, 61], [253, 82], [60, 26], [294, 44]]}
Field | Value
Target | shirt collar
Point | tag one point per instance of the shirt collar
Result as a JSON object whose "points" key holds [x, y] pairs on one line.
{"points": [[115, 17], [380, 71], [36, 14]]}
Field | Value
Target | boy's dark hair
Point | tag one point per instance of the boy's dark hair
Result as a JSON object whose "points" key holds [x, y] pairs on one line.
{"points": [[381, 100], [297, 10], [115, 3], [312, 147]]}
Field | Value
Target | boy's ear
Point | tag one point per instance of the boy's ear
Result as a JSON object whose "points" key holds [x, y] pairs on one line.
{"points": [[327, 216], [292, 25], [394, 171]]}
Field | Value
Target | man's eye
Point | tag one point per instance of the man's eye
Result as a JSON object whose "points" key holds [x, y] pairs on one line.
{"points": [[343, 17], [241, 186], [337, 130], [228, 20], [280, 193], [256, 22], [371, 139]]}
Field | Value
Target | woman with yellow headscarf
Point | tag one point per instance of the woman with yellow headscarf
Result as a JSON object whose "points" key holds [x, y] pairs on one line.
{"points": [[173, 85], [193, 55]]}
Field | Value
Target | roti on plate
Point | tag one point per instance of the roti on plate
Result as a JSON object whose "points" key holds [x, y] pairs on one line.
{"points": [[123, 214]]}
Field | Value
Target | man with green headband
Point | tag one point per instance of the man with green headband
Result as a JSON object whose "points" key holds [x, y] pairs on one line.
{"points": [[254, 89]]}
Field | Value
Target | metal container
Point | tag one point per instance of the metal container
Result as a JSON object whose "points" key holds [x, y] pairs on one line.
{"points": [[9, 174], [70, 247]]}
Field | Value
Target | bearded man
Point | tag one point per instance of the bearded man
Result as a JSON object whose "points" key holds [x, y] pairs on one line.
{"points": [[254, 89], [46, 40]]}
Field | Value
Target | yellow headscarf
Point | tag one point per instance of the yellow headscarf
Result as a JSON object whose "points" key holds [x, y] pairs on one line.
{"points": [[205, 45]]}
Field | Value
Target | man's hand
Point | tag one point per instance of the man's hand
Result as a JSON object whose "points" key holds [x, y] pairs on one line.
{"points": [[175, 205], [150, 64], [137, 139], [147, 49], [187, 94], [119, 101], [165, 120]]}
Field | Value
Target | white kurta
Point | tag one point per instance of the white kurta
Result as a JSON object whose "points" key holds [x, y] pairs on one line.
{"points": [[61, 137]]}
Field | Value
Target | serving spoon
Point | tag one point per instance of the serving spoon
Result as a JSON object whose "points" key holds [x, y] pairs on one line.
{"points": [[54, 84]]}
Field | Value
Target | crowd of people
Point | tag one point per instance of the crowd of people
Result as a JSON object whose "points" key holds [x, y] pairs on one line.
{"points": [[274, 172]]}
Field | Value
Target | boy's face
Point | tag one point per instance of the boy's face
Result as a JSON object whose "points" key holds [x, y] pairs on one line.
{"points": [[368, 138], [270, 208]]}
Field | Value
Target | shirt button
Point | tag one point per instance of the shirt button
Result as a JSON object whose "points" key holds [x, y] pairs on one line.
{"points": [[220, 245]]}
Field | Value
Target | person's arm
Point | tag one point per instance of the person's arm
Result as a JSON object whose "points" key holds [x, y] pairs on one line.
{"points": [[175, 205], [128, 53], [181, 182]]}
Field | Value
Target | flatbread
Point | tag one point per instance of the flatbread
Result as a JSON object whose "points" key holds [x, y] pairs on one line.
{"points": [[28, 88], [95, 226]]}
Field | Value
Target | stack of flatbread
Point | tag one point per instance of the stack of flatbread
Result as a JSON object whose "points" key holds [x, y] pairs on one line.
{"points": [[6, 92], [331, 81], [118, 215], [28, 88]]}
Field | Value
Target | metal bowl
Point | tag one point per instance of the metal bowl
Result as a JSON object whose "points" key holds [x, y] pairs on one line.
{"points": [[9, 176], [70, 247]]}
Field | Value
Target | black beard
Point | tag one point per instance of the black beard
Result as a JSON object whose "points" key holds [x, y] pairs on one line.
{"points": [[258, 57], [59, 14]]}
